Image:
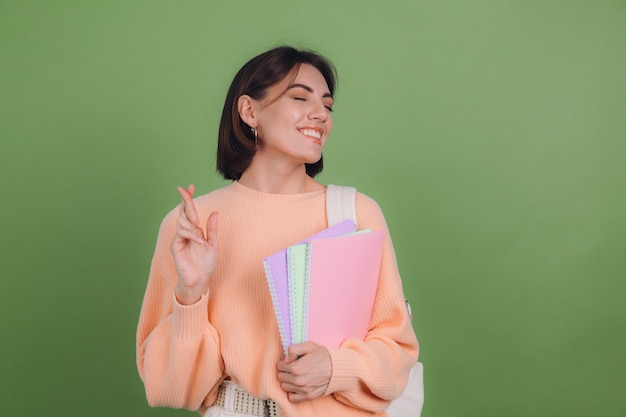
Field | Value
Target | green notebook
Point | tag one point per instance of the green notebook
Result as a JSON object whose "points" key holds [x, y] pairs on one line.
{"points": [[297, 281]]}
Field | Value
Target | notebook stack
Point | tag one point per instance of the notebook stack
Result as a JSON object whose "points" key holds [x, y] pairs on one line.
{"points": [[323, 288]]}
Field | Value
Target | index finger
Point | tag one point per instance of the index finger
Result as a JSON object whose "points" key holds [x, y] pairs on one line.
{"points": [[190, 208]]}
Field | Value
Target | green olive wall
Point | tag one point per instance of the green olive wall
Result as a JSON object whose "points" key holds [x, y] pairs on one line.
{"points": [[490, 132]]}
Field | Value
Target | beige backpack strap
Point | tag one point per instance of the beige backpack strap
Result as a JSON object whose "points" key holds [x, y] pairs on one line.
{"points": [[340, 204]]}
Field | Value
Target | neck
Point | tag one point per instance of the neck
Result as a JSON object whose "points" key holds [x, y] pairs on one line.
{"points": [[288, 180]]}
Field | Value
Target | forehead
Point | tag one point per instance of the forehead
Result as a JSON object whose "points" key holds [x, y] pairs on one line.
{"points": [[306, 75]]}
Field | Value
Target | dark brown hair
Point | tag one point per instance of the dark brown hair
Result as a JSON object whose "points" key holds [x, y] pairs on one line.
{"points": [[236, 144]]}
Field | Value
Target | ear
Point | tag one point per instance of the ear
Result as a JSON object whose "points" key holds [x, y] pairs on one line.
{"points": [[246, 106]]}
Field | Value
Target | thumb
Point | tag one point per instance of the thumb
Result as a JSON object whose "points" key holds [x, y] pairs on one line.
{"points": [[299, 350], [211, 229]]}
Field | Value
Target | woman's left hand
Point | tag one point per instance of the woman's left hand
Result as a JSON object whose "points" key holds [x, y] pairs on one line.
{"points": [[305, 373]]}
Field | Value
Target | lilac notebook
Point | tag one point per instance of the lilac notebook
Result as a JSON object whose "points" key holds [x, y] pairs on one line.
{"points": [[276, 272]]}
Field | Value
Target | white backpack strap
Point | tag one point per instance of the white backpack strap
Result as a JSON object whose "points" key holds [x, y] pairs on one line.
{"points": [[340, 204]]}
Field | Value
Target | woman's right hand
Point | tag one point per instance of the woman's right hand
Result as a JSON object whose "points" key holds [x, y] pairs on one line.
{"points": [[194, 251]]}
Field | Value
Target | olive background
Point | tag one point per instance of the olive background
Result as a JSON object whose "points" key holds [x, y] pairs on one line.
{"points": [[490, 132]]}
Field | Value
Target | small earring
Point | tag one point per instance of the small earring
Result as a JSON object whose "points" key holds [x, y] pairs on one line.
{"points": [[256, 138]]}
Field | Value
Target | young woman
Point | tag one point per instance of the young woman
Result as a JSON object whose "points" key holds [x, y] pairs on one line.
{"points": [[207, 337]]}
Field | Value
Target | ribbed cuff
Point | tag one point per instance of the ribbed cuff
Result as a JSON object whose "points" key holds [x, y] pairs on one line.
{"points": [[345, 370], [190, 321]]}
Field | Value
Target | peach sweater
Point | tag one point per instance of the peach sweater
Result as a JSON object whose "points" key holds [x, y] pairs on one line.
{"points": [[184, 352]]}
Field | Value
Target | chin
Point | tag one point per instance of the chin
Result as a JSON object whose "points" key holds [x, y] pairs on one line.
{"points": [[312, 159]]}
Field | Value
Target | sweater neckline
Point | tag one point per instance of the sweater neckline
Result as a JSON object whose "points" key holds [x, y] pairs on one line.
{"points": [[258, 197]]}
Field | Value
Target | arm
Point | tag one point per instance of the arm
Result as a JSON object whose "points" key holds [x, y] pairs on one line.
{"points": [[366, 374], [369, 373], [178, 354]]}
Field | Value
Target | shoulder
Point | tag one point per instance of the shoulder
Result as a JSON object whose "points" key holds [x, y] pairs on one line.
{"points": [[367, 203], [368, 212], [215, 198], [362, 200], [205, 204]]}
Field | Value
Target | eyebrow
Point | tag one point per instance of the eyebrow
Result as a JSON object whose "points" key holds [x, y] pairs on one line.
{"points": [[307, 88]]}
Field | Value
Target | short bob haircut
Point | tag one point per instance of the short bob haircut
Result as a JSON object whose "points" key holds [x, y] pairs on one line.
{"points": [[236, 143]]}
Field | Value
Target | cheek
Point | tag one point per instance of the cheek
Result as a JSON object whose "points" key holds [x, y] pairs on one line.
{"points": [[291, 116], [329, 124]]}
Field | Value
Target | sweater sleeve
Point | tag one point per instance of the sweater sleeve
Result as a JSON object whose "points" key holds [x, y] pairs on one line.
{"points": [[369, 374], [178, 354]]}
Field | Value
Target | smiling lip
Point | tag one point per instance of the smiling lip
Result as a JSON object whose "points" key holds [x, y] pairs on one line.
{"points": [[312, 133]]}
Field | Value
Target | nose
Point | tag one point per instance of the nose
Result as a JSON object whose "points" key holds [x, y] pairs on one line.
{"points": [[318, 111]]}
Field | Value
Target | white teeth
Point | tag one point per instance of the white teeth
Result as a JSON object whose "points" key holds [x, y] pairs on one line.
{"points": [[312, 133]]}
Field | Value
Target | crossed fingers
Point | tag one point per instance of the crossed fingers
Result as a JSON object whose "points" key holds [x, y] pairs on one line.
{"points": [[188, 222]]}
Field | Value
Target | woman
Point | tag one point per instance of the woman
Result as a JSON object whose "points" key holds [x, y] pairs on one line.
{"points": [[207, 329]]}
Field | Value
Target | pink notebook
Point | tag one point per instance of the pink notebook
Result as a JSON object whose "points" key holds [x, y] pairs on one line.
{"points": [[342, 282]]}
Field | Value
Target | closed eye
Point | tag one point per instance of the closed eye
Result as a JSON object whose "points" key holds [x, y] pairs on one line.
{"points": [[300, 98]]}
